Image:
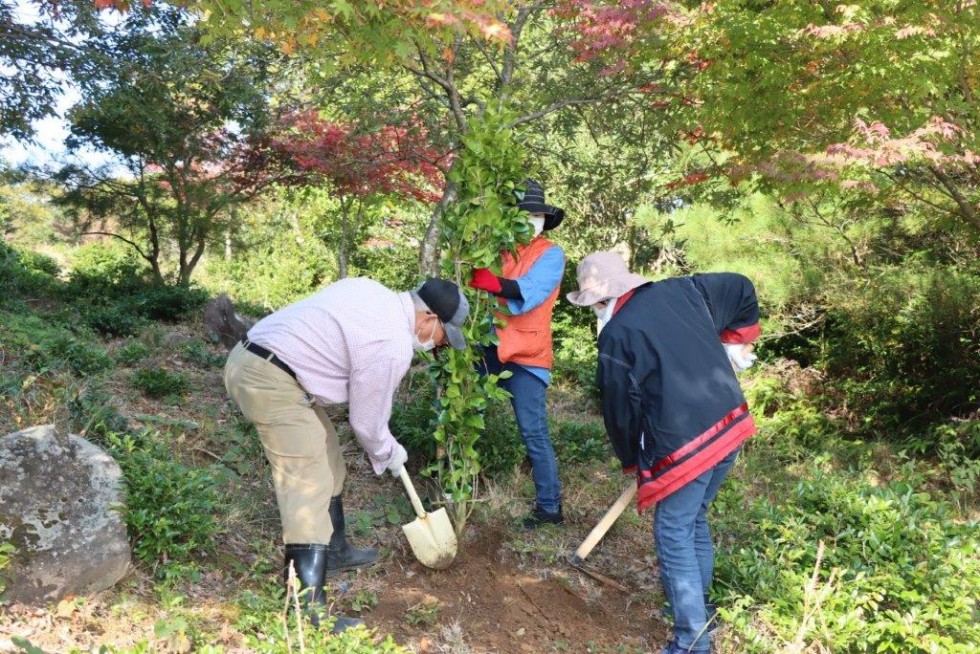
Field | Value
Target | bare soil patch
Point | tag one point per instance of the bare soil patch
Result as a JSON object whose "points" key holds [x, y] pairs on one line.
{"points": [[499, 607]]}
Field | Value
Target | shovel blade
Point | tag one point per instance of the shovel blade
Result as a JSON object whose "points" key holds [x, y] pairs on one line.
{"points": [[432, 539]]}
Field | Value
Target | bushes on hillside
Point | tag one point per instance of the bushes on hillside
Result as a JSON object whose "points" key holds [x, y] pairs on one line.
{"points": [[906, 349], [899, 571], [110, 289], [170, 507], [100, 267], [44, 346], [159, 383], [24, 273]]}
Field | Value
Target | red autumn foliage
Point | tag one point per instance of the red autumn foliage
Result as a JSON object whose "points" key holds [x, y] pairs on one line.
{"points": [[609, 29], [121, 5], [688, 180], [394, 160]]}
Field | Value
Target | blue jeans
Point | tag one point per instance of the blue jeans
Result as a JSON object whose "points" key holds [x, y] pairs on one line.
{"points": [[686, 556], [528, 399]]}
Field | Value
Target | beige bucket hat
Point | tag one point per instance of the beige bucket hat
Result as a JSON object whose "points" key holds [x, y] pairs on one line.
{"points": [[603, 275]]}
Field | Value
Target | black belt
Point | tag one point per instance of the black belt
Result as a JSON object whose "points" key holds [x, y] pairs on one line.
{"points": [[255, 348]]}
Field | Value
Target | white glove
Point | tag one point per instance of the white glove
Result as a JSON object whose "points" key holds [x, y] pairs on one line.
{"points": [[398, 458], [740, 354]]}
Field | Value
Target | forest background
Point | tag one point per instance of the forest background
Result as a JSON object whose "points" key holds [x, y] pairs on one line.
{"points": [[828, 151]]}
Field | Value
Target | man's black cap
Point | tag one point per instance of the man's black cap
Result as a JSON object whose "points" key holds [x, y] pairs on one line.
{"points": [[450, 305]]}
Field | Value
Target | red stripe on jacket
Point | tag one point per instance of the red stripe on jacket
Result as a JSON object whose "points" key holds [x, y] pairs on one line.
{"points": [[697, 442], [676, 478]]}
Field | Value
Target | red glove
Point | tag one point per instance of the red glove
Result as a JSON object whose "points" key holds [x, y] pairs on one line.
{"points": [[485, 280]]}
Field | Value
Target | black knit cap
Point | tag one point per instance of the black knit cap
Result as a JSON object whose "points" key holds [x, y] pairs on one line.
{"points": [[449, 304], [533, 202]]}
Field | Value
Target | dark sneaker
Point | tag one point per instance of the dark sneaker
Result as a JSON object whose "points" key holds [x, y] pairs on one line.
{"points": [[540, 517]]}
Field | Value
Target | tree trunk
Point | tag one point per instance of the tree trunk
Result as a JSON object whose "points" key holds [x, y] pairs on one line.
{"points": [[429, 256], [234, 221], [343, 248], [342, 262], [155, 267]]}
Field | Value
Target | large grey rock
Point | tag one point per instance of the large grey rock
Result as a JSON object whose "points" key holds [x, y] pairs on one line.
{"points": [[59, 499], [223, 323]]}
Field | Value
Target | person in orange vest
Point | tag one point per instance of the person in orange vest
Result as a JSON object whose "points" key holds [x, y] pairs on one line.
{"points": [[528, 287]]}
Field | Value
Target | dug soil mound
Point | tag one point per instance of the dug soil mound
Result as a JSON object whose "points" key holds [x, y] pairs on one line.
{"points": [[493, 606]]}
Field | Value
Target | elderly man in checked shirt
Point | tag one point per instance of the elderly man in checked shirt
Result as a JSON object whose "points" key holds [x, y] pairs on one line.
{"points": [[351, 342]]}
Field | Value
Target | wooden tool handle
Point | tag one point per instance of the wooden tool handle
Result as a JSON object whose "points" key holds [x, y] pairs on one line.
{"points": [[412, 495], [607, 521]]}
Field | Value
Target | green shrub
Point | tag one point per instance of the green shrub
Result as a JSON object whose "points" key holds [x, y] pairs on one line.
{"points": [[81, 357], [168, 303], [239, 444], [109, 268], [958, 447], [159, 382], [35, 262], [576, 355], [23, 272], [92, 414], [906, 349], [112, 320], [199, 354], [580, 441], [43, 344], [131, 352], [261, 620], [169, 506], [903, 570], [274, 272]]}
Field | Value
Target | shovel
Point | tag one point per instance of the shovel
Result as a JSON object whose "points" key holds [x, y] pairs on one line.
{"points": [[431, 535], [578, 558]]}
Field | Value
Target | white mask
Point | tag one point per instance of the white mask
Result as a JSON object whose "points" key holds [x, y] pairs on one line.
{"points": [[605, 314], [537, 222], [424, 346], [740, 355]]}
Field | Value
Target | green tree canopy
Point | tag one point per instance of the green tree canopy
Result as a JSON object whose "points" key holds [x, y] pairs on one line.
{"points": [[185, 118]]}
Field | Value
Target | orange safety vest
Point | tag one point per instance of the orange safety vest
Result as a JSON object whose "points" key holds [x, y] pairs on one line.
{"points": [[526, 339]]}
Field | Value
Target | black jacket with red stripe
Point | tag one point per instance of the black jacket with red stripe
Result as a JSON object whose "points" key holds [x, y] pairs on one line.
{"points": [[672, 405]]}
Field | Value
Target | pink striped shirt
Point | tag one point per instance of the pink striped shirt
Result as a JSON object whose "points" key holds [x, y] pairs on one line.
{"points": [[350, 342]]}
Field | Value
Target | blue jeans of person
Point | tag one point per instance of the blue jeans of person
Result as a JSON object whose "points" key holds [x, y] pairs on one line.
{"points": [[528, 399], [686, 556]]}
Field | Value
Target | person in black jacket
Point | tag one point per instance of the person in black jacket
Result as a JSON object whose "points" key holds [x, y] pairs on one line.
{"points": [[673, 408]]}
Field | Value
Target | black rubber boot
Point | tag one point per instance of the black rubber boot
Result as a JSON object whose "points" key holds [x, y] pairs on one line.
{"points": [[341, 555], [540, 517], [310, 564]]}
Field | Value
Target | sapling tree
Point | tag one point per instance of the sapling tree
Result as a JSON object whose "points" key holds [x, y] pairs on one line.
{"points": [[483, 221]]}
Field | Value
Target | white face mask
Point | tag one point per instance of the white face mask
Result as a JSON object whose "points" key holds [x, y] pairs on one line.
{"points": [[605, 312], [537, 222], [421, 345], [740, 355]]}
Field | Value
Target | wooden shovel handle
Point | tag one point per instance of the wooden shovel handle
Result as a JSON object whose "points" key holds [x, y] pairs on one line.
{"points": [[412, 495], [607, 520]]}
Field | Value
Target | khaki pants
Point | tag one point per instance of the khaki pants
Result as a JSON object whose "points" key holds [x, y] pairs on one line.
{"points": [[299, 440]]}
